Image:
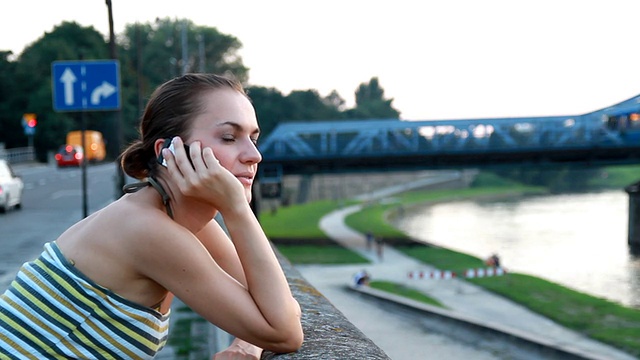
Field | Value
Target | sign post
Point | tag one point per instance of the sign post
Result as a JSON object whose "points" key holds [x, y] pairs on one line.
{"points": [[85, 85]]}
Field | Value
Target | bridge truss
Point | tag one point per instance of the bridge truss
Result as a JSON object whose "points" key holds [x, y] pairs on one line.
{"points": [[610, 135]]}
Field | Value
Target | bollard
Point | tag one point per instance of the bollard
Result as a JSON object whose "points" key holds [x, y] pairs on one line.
{"points": [[634, 212]]}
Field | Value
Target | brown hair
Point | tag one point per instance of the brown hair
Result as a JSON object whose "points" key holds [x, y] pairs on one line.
{"points": [[169, 112]]}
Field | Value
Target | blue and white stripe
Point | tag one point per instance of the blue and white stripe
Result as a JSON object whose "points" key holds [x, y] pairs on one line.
{"points": [[53, 311]]}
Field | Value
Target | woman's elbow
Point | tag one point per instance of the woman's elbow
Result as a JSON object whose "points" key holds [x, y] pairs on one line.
{"points": [[291, 343]]}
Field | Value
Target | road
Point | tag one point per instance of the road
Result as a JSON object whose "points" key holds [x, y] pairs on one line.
{"points": [[52, 201]]}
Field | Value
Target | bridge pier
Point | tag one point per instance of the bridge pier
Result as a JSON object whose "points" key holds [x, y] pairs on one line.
{"points": [[634, 216]]}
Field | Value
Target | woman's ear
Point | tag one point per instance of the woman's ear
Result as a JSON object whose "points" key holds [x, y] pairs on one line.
{"points": [[160, 144]]}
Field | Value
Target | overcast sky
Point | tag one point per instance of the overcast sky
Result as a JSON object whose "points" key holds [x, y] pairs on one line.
{"points": [[437, 59]]}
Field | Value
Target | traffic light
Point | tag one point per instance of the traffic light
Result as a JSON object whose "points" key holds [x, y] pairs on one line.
{"points": [[29, 123], [29, 120]]}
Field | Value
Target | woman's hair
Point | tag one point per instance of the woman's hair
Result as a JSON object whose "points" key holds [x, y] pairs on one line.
{"points": [[170, 112]]}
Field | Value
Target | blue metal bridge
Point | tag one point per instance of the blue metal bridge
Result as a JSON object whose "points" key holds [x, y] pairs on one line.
{"points": [[607, 136]]}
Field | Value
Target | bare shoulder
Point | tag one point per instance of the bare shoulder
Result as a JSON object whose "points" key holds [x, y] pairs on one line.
{"points": [[160, 245]]}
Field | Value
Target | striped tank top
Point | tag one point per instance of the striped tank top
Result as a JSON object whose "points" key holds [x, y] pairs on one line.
{"points": [[52, 311]]}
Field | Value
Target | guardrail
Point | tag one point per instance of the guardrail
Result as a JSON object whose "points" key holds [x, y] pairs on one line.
{"points": [[17, 155]]}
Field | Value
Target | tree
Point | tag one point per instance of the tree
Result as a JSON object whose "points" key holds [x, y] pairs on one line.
{"points": [[155, 50], [272, 107], [152, 54], [145, 57], [309, 105], [32, 90], [371, 104]]}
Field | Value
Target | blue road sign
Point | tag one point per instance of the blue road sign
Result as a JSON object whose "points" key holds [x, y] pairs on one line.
{"points": [[89, 85]]}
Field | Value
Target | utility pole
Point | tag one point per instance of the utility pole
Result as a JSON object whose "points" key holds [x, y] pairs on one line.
{"points": [[113, 52], [185, 49], [200, 39]]}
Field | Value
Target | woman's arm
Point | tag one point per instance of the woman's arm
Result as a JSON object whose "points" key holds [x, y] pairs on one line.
{"points": [[216, 241], [266, 316], [221, 248], [263, 312]]}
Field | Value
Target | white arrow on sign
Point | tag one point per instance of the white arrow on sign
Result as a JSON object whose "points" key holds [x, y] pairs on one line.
{"points": [[104, 90], [68, 78]]}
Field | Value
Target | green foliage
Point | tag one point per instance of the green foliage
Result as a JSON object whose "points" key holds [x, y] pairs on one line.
{"points": [[371, 104], [149, 54], [273, 107]]}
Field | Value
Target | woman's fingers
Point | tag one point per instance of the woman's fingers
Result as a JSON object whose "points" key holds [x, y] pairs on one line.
{"points": [[181, 156], [209, 158]]}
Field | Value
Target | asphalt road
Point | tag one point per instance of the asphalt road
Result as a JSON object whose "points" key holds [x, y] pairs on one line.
{"points": [[53, 200]]}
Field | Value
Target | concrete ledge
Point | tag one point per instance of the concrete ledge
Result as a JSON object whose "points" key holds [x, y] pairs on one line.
{"points": [[327, 332], [444, 320]]}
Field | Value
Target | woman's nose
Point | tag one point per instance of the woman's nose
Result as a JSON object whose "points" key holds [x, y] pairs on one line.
{"points": [[251, 154]]}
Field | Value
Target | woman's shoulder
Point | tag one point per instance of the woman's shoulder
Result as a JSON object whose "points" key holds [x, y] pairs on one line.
{"points": [[136, 222]]}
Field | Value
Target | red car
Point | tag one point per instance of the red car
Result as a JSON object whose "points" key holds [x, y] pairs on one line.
{"points": [[69, 155]]}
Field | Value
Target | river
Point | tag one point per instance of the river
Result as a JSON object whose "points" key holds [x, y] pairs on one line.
{"points": [[577, 240]]}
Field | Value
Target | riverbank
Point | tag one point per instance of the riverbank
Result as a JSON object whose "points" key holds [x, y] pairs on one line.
{"points": [[469, 313], [373, 218]]}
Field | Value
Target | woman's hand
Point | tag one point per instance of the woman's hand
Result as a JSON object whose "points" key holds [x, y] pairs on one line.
{"points": [[239, 350], [206, 179]]}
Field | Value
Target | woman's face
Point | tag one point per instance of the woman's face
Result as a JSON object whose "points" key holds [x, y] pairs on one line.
{"points": [[230, 128]]}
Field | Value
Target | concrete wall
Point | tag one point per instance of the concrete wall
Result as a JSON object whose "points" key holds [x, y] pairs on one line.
{"points": [[328, 334]]}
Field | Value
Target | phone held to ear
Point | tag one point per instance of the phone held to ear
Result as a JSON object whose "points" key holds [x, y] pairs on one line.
{"points": [[168, 143]]}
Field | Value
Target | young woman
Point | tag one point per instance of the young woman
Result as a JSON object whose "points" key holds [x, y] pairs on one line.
{"points": [[103, 289]]}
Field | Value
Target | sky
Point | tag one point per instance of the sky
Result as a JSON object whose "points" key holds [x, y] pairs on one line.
{"points": [[437, 59]]}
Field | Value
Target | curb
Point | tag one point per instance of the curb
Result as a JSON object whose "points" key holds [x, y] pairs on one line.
{"points": [[518, 337]]}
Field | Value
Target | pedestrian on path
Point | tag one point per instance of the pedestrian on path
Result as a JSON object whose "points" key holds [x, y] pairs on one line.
{"points": [[380, 247], [369, 239]]}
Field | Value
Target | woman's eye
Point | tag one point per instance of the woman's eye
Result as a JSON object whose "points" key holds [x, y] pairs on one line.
{"points": [[228, 138]]}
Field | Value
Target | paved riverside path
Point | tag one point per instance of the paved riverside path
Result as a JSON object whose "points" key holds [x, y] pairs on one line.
{"points": [[463, 298]]}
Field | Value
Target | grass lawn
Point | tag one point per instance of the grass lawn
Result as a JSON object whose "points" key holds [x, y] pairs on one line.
{"points": [[405, 291], [595, 317], [321, 254]]}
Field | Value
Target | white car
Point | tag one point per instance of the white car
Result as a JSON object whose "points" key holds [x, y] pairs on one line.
{"points": [[11, 187]]}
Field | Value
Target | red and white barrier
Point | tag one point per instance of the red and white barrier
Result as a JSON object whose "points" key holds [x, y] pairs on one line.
{"points": [[436, 274], [446, 274], [478, 273]]}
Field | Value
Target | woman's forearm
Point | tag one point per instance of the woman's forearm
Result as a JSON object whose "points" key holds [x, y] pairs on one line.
{"points": [[266, 281]]}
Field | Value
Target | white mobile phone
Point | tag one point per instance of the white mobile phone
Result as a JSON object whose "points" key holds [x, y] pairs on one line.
{"points": [[168, 143]]}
